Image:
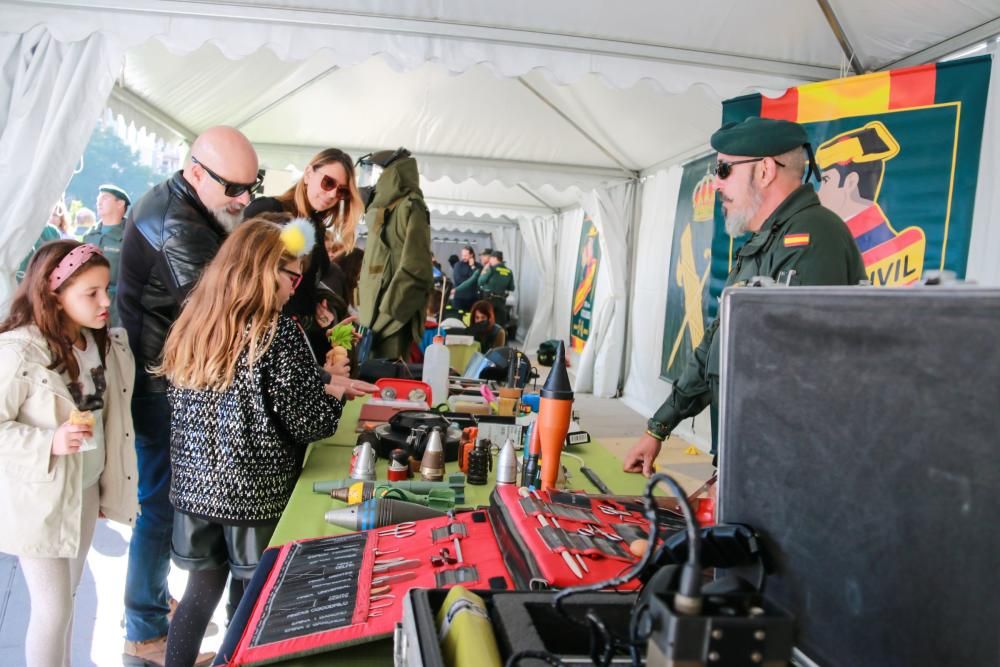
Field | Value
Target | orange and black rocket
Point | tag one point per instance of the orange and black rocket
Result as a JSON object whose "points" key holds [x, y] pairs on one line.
{"points": [[554, 410]]}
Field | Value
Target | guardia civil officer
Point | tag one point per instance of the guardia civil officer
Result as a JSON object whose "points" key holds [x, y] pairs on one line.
{"points": [[112, 204], [758, 178]]}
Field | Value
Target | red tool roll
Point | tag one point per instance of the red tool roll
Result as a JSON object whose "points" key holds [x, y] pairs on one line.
{"points": [[320, 594], [595, 538], [331, 592]]}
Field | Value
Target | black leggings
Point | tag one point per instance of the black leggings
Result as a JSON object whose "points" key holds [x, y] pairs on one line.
{"points": [[201, 597]]}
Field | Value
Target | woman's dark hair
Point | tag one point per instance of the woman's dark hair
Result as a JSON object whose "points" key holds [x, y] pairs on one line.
{"points": [[484, 307], [34, 303], [350, 263]]}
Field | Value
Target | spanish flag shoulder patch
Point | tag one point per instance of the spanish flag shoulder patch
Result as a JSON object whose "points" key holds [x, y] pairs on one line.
{"points": [[796, 240]]}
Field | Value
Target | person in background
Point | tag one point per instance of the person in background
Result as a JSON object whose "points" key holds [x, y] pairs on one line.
{"points": [[466, 267], [341, 280], [66, 443], [468, 291], [495, 282], [53, 231], [327, 194], [484, 328], [112, 204], [85, 221], [171, 234]]}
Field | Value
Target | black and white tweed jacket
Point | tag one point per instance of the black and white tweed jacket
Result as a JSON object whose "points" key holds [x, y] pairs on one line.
{"points": [[237, 454]]}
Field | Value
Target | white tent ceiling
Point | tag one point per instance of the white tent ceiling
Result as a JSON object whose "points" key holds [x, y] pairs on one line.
{"points": [[512, 108]]}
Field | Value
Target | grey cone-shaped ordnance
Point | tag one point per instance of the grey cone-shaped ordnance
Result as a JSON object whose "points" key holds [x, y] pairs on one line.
{"points": [[379, 513], [507, 463], [432, 463], [364, 463]]}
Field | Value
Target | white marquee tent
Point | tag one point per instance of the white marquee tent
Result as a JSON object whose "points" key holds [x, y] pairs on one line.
{"points": [[523, 115]]}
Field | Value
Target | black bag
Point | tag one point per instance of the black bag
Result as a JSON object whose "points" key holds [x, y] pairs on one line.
{"points": [[547, 352]]}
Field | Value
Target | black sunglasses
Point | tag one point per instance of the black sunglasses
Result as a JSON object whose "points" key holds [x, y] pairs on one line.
{"points": [[724, 169], [232, 189]]}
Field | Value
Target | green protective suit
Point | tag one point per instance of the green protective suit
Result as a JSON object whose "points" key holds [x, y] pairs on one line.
{"points": [[396, 274]]}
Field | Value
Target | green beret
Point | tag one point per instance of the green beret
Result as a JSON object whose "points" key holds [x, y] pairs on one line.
{"points": [[759, 137], [117, 192]]}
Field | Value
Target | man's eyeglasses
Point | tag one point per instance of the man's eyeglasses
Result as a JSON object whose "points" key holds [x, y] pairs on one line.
{"points": [[232, 189], [294, 275], [723, 169]]}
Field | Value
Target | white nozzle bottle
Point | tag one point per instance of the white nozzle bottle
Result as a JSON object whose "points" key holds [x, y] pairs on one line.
{"points": [[435, 373]]}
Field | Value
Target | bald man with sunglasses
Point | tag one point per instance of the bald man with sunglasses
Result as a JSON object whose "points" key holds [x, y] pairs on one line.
{"points": [[795, 241], [171, 235]]}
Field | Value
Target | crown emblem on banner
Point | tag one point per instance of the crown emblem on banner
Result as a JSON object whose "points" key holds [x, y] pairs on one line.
{"points": [[703, 199]]}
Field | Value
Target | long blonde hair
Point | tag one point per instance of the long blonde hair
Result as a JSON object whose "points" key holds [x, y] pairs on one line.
{"points": [[234, 307], [346, 220]]}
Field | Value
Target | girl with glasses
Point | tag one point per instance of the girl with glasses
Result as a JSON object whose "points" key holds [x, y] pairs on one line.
{"points": [[67, 450], [246, 398], [327, 195]]}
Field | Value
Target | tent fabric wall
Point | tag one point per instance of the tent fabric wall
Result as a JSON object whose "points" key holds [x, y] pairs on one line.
{"points": [[600, 362], [984, 246], [51, 97], [644, 390], [540, 236], [567, 244]]}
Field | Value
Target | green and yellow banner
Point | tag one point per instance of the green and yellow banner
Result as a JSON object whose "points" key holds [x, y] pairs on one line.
{"points": [[898, 153], [687, 312], [584, 283]]}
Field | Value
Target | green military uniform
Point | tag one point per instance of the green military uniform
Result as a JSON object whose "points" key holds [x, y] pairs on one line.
{"points": [[50, 233], [494, 283], [801, 243], [396, 274], [109, 239]]}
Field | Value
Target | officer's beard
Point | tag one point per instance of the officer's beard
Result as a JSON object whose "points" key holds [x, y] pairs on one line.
{"points": [[227, 218], [737, 221]]}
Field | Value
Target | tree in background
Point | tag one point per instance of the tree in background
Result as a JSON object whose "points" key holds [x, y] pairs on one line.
{"points": [[108, 159]]}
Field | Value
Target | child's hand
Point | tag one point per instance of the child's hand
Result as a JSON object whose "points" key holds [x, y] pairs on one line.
{"points": [[337, 366], [345, 388], [69, 437]]}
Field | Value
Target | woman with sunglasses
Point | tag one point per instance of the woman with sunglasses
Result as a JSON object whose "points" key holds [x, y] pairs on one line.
{"points": [[326, 194]]}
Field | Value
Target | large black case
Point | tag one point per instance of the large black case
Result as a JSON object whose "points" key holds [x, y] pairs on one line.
{"points": [[860, 434]]}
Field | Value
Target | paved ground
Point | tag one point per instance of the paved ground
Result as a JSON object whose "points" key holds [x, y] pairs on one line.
{"points": [[97, 633]]}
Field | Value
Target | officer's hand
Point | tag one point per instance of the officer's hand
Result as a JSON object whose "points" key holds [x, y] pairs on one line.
{"points": [[640, 458]]}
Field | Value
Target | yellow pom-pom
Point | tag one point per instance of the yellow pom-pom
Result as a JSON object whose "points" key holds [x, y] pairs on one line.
{"points": [[692, 451], [293, 239]]}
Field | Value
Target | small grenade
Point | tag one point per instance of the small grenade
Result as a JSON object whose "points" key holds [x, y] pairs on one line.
{"points": [[480, 463], [466, 445]]}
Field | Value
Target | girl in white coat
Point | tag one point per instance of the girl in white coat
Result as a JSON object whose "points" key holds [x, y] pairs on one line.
{"points": [[58, 357]]}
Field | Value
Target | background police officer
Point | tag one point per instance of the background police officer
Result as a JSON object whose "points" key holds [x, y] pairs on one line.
{"points": [[112, 204], [794, 239], [495, 281]]}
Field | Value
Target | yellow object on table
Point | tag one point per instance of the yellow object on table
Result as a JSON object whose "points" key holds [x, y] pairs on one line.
{"points": [[466, 632]]}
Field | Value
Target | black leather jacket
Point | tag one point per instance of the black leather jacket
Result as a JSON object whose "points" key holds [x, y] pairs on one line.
{"points": [[169, 239]]}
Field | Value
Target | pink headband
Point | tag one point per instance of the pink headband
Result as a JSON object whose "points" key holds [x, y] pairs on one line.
{"points": [[76, 258]]}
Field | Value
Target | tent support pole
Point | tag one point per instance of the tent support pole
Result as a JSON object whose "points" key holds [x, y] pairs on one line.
{"points": [[295, 91], [838, 32], [630, 172], [537, 198]]}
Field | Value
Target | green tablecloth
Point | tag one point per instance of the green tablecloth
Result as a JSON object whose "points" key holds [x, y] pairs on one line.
{"points": [[330, 459]]}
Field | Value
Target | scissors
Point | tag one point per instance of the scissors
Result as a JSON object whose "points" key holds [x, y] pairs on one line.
{"points": [[594, 531], [400, 530], [623, 515]]}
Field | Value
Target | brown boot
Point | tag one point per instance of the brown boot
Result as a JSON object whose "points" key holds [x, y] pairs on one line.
{"points": [[153, 653]]}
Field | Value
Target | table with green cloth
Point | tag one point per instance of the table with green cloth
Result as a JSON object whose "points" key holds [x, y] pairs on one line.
{"points": [[330, 459]]}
